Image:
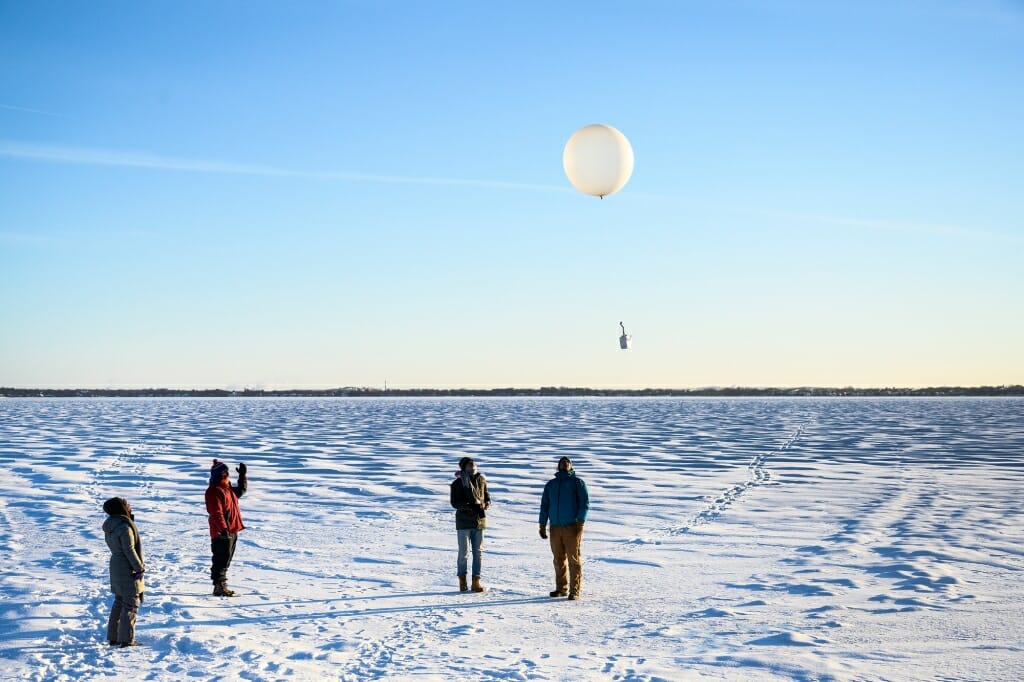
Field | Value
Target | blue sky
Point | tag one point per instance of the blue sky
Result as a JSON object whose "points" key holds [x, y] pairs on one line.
{"points": [[347, 193]]}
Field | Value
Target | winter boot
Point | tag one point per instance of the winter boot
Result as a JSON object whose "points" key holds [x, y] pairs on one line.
{"points": [[557, 593], [221, 590], [477, 587], [463, 585]]}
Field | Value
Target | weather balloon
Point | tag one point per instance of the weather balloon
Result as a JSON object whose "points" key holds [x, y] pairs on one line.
{"points": [[598, 160]]}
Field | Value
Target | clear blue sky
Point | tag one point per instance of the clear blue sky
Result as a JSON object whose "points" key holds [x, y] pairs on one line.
{"points": [[346, 193]]}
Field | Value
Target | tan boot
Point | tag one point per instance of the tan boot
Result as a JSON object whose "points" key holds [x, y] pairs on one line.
{"points": [[221, 590], [477, 587], [463, 586]]}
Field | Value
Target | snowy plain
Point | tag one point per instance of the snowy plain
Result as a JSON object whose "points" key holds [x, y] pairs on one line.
{"points": [[728, 539]]}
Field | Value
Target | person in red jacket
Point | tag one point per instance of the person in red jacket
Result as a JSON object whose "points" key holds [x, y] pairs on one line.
{"points": [[225, 521]]}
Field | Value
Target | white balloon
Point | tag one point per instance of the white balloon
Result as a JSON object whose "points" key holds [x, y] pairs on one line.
{"points": [[598, 160]]}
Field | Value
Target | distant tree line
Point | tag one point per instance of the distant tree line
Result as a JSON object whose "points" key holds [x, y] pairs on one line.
{"points": [[560, 391]]}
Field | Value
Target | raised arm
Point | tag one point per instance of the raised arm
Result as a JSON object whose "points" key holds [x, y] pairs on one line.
{"points": [[243, 481]]}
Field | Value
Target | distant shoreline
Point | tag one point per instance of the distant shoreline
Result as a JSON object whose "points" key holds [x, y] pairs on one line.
{"points": [[546, 391]]}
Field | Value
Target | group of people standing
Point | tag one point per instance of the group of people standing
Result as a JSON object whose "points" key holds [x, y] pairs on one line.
{"points": [[127, 567], [565, 503]]}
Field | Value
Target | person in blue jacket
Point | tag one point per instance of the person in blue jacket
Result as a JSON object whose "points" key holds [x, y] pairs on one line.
{"points": [[565, 503]]}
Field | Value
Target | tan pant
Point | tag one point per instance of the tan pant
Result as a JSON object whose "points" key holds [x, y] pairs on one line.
{"points": [[565, 547]]}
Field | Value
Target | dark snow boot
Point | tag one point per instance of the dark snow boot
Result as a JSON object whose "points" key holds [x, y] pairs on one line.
{"points": [[557, 593], [463, 585], [477, 587], [221, 590]]}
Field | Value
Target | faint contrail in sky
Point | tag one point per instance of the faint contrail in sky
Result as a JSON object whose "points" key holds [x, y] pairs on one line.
{"points": [[101, 157], [896, 226], [11, 107], [848, 222]]}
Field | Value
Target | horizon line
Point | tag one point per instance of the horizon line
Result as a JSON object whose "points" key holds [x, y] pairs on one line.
{"points": [[388, 389]]}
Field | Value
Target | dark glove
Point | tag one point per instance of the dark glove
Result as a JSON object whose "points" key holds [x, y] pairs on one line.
{"points": [[137, 575], [543, 532], [578, 526], [241, 468], [224, 535]]}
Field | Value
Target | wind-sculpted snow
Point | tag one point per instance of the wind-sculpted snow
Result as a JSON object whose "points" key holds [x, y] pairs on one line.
{"points": [[761, 539]]}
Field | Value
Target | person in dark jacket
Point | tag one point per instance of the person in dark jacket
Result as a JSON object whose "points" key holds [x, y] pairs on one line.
{"points": [[225, 521], [126, 569], [565, 503], [470, 498]]}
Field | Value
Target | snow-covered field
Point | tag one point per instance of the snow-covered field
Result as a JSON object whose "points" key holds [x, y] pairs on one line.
{"points": [[757, 539]]}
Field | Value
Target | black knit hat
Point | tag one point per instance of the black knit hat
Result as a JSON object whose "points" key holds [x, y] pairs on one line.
{"points": [[116, 506], [465, 461]]}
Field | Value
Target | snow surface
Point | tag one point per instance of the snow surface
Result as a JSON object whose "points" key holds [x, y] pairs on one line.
{"points": [[759, 539]]}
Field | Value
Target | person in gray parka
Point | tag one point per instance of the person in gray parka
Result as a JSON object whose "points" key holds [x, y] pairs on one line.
{"points": [[126, 569]]}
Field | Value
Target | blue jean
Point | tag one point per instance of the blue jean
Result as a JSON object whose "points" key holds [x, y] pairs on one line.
{"points": [[470, 537]]}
